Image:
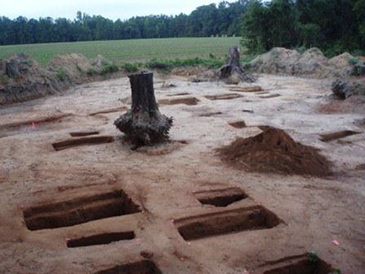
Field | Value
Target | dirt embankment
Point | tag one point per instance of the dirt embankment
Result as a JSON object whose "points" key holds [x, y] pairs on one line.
{"points": [[23, 79], [311, 63], [275, 151]]}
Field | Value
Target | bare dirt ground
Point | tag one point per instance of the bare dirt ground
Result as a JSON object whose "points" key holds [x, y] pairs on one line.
{"points": [[102, 208]]}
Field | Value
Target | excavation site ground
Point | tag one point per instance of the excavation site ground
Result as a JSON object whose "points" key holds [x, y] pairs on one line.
{"points": [[76, 199]]}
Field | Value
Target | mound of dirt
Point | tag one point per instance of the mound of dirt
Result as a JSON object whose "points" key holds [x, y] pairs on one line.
{"points": [[311, 63], [277, 61], [275, 151], [73, 67], [99, 63], [23, 79]]}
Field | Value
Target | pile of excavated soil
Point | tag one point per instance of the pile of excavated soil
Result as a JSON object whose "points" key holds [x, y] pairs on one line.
{"points": [[311, 63], [23, 79], [275, 151]]}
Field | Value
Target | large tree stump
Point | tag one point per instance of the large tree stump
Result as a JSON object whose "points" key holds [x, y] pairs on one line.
{"points": [[144, 124], [233, 67]]}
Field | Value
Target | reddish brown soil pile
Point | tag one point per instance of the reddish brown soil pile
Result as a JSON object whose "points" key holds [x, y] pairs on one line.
{"points": [[275, 151]]}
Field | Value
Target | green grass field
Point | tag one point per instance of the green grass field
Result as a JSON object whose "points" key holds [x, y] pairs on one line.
{"points": [[128, 50]]}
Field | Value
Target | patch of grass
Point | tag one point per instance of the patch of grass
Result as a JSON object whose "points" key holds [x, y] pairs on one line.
{"points": [[313, 257], [169, 64], [302, 49], [359, 70], [159, 64], [248, 58], [127, 51], [91, 72], [61, 74], [109, 69], [130, 68], [354, 61]]}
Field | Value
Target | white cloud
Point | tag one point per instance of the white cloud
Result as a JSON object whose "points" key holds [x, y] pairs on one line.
{"points": [[112, 9]]}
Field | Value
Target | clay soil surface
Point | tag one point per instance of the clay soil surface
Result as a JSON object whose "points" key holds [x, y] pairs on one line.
{"points": [[95, 206]]}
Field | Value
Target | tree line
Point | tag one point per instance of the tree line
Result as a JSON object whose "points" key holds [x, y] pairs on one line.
{"points": [[334, 26], [204, 21]]}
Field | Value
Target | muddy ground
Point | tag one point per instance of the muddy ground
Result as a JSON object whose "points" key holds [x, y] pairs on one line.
{"points": [[176, 208]]}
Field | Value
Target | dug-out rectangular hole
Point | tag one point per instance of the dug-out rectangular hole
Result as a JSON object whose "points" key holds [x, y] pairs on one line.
{"points": [[227, 222], [220, 197], [83, 141], [78, 211], [101, 239], [84, 133], [302, 264], [141, 267]]}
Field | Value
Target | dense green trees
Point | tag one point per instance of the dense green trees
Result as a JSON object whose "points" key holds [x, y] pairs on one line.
{"points": [[332, 25], [210, 20]]}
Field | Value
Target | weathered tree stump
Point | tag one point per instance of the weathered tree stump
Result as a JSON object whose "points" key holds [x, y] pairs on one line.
{"points": [[144, 124], [233, 67]]}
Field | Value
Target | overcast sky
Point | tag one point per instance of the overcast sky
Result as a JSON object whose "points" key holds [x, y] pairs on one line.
{"points": [[112, 9]]}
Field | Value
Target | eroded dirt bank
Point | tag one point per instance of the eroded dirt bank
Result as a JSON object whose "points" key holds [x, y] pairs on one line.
{"points": [[97, 207]]}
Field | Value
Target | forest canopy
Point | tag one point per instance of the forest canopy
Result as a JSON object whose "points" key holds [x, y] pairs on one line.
{"points": [[205, 21], [334, 26]]}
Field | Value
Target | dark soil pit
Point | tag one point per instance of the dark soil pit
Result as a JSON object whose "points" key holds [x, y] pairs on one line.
{"points": [[35, 124], [328, 137], [263, 93], [106, 111], [270, 96], [227, 222], [84, 133], [230, 96], [247, 89], [78, 211], [190, 101], [141, 267], [178, 94], [220, 197], [210, 114], [36, 121], [238, 124], [303, 264], [82, 142], [101, 239], [354, 104], [360, 167]]}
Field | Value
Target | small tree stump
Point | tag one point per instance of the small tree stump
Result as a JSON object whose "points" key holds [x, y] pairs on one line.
{"points": [[233, 67], [144, 124]]}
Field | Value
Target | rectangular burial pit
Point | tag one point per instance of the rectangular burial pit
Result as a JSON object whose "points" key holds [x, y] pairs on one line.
{"points": [[226, 222], [84, 141], [220, 197], [141, 267], [101, 239], [78, 211], [228, 96], [303, 264], [84, 133]]}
